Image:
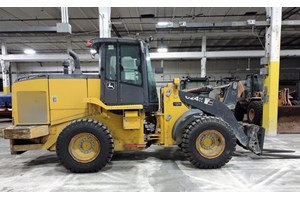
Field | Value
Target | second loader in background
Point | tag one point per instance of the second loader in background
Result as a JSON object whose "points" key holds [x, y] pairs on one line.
{"points": [[251, 104]]}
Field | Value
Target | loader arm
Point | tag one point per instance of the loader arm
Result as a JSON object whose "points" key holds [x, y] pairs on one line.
{"points": [[246, 134]]}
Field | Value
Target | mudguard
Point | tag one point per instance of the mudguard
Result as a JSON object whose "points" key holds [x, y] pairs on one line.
{"points": [[182, 122]]}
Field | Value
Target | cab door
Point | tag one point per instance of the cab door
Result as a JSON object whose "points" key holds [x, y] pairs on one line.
{"points": [[109, 74], [122, 81], [131, 84]]}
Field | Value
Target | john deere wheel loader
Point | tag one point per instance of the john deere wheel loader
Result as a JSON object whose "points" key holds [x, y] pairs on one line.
{"points": [[85, 118]]}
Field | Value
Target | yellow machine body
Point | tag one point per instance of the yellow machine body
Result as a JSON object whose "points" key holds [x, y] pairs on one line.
{"points": [[85, 119], [56, 102]]}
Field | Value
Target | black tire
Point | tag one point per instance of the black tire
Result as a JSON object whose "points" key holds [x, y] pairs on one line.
{"points": [[180, 146], [239, 112], [254, 112], [98, 132], [295, 102], [199, 127]]}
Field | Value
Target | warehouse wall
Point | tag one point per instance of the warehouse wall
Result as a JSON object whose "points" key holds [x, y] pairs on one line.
{"points": [[220, 68], [216, 68]]}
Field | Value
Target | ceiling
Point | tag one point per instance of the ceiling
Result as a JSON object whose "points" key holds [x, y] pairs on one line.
{"points": [[140, 23]]}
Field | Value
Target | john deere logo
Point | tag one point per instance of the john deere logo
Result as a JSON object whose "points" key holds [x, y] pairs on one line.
{"points": [[110, 85]]}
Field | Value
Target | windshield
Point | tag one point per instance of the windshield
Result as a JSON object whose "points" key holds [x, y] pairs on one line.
{"points": [[153, 98], [191, 85], [258, 83]]}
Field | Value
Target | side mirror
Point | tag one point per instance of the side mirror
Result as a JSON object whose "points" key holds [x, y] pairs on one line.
{"points": [[150, 39], [93, 53]]}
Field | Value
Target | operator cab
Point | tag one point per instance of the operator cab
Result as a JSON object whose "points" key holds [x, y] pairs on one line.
{"points": [[126, 72], [254, 84]]}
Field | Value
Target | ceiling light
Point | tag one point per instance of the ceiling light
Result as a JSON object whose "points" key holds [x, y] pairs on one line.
{"points": [[29, 51], [162, 23], [116, 23], [162, 50]]}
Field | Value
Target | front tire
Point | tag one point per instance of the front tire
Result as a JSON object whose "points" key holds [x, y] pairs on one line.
{"points": [[84, 146], [208, 142], [254, 112], [239, 112]]}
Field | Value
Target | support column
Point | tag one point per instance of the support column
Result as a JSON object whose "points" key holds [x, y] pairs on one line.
{"points": [[64, 15], [203, 59], [162, 63], [271, 82], [104, 22], [5, 70]]}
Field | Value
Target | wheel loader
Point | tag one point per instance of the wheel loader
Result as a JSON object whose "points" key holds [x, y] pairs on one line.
{"points": [[86, 118], [250, 102]]}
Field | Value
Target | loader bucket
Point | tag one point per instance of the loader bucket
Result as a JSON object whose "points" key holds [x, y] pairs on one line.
{"points": [[288, 119]]}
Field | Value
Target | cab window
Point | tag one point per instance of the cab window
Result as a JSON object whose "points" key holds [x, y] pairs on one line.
{"points": [[130, 64]]}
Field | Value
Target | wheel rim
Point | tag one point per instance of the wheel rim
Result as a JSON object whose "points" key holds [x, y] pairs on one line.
{"points": [[251, 114], [210, 144], [84, 147]]}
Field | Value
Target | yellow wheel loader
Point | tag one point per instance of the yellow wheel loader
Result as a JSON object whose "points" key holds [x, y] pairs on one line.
{"points": [[86, 118]]}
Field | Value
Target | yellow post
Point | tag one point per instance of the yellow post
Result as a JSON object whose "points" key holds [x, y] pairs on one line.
{"points": [[270, 107], [271, 82], [6, 90], [4, 67]]}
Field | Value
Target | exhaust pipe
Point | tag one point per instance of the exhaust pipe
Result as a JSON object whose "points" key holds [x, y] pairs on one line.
{"points": [[76, 61]]}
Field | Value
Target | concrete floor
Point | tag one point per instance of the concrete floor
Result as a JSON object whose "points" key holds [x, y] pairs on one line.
{"points": [[155, 169]]}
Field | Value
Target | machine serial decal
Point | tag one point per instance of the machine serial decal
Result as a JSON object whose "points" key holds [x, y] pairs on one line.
{"points": [[200, 99], [206, 101]]}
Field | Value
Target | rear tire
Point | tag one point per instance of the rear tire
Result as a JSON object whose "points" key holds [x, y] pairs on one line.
{"points": [[84, 146], [254, 112], [208, 142]]}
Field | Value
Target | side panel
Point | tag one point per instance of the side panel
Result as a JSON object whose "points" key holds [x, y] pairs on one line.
{"points": [[66, 99], [30, 102], [94, 88], [67, 93]]}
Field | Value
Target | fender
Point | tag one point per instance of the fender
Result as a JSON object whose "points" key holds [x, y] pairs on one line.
{"points": [[182, 122]]}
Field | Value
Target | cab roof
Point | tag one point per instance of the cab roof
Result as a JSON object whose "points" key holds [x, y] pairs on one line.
{"points": [[96, 42]]}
